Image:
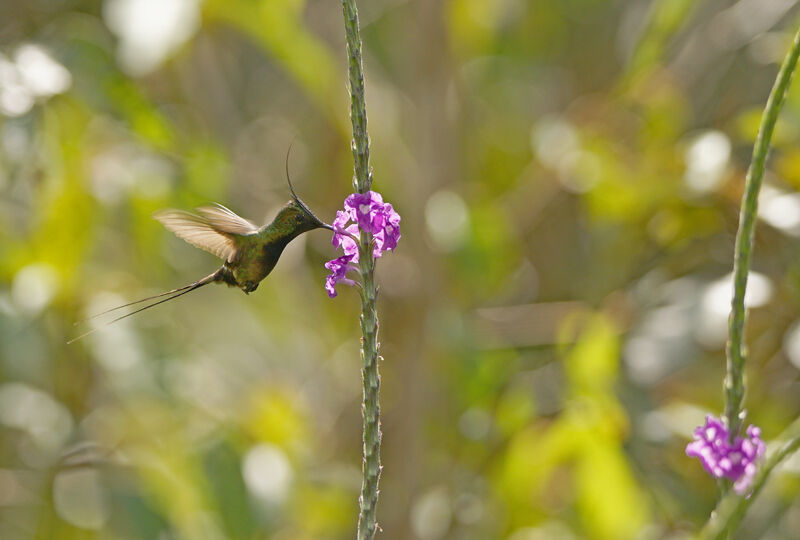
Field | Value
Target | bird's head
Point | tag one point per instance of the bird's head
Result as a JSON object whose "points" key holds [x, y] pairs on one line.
{"points": [[295, 217]]}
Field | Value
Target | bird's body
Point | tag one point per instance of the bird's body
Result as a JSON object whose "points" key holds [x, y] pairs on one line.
{"points": [[249, 252]]}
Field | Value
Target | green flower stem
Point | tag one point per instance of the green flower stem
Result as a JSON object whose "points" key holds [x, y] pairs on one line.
{"points": [[370, 410], [362, 179], [362, 182], [743, 251], [731, 509]]}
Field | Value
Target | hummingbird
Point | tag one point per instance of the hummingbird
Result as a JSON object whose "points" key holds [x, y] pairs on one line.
{"points": [[249, 252]]}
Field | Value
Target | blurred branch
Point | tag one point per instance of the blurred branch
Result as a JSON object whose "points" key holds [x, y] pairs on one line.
{"points": [[665, 18], [743, 251], [534, 325], [362, 182], [731, 509]]}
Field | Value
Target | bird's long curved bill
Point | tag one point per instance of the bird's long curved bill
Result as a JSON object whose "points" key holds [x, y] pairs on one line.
{"points": [[171, 295], [299, 202]]}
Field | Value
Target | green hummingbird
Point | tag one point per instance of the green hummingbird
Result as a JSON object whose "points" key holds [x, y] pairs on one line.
{"points": [[249, 252]]}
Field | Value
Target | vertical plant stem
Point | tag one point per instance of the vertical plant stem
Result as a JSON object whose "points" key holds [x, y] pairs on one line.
{"points": [[362, 182], [743, 251], [362, 179], [370, 409]]}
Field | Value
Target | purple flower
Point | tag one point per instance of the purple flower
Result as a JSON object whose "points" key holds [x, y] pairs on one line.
{"points": [[387, 237], [342, 239], [721, 459], [368, 213], [341, 219], [338, 268], [367, 210]]}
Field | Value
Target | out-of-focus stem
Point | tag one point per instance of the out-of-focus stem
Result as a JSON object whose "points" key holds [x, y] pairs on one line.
{"points": [[731, 509], [362, 182], [743, 252]]}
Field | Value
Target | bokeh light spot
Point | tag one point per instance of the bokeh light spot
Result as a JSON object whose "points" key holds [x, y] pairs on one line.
{"points": [[431, 514], [149, 30], [706, 160], [79, 498], [447, 219], [267, 473], [34, 286]]}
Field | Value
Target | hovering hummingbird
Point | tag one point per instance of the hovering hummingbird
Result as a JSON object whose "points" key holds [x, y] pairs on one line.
{"points": [[249, 252]]}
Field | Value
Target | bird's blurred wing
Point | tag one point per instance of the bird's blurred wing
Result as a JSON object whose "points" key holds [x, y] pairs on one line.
{"points": [[199, 232], [226, 221]]}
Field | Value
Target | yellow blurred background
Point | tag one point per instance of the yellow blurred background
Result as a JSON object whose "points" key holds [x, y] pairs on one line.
{"points": [[552, 322]]}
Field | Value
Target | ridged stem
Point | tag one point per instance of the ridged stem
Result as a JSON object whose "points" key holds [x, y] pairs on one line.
{"points": [[370, 409], [743, 251], [362, 182], [362, 179]]}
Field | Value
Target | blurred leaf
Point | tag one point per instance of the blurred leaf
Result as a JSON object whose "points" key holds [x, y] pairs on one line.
{"points": [[592, 365], [273, 416], [515, 410], [230, 494], [325, 511], [277, 25], [610, 502]]}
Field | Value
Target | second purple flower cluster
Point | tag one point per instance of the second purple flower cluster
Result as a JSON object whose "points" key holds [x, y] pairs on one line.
{"points": [[721, 459], [368, 213]]}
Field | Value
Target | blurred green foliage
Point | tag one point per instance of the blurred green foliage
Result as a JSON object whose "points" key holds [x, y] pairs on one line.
{"points": [[552, 323]]}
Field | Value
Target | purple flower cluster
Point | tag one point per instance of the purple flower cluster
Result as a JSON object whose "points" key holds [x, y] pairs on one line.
{"points": [[368, 213], [721, 459]]}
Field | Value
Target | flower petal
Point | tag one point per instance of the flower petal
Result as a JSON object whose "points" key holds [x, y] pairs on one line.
{"points": [[338, 268]]}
